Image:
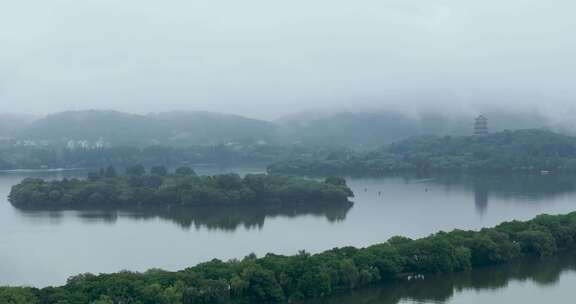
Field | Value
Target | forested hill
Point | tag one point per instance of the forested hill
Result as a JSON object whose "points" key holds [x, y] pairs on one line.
{"points": [[356, 130], [10, 124], [213, 128], [522, 150], [171, 128], [368, 130]]}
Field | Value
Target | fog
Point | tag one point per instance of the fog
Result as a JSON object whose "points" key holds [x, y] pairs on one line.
{"points": [[265, 58]]}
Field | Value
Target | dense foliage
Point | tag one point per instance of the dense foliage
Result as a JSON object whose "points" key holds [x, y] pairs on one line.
{"points": [[282, 279], [524, 150], [57, 157], [181, 188], [449, 288]]}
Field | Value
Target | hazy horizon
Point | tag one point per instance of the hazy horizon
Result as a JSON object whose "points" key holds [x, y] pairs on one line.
{"points": [[187, 151], [314, 112], [265, 60]]}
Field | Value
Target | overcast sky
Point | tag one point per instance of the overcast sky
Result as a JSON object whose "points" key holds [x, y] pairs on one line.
{"points": [[264, 58]]}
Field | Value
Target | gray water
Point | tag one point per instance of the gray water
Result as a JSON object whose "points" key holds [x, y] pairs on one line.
{"points": [[527, 282], [41, 248]]}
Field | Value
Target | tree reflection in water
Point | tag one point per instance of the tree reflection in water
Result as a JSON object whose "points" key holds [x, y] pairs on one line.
{"points": [[442, 288], [220, 218], [528, 187]]}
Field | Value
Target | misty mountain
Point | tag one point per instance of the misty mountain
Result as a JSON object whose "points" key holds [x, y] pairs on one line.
{"points": [[529, 150], [370, 129], [349, 129], [212, 128], [173, 128], [112, 126], [358, 130], [13, 123]]}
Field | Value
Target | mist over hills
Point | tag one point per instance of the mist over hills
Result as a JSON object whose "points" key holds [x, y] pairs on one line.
{"points": [[180, 128], [370, 129], [12, 123], [213, 128], [170, 128]]}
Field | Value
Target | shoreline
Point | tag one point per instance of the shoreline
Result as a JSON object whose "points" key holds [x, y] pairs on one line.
{"points": [[288, 279]]}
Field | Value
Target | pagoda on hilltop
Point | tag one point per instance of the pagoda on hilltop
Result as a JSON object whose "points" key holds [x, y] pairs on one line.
{"points": [[481, 125]]}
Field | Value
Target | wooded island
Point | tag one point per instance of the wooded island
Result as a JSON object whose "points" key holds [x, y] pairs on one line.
{"points": [[182, 188]]}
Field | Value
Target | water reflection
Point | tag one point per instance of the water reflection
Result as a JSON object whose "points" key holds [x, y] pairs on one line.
{"points": [[445, 288], [528, 187], [532, 186], [222, 218], [44, 247], [481, 199]]}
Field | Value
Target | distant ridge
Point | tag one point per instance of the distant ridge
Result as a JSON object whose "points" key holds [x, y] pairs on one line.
{"points": [[11, 123], [171, 128], [357, 130], [373, 128]]}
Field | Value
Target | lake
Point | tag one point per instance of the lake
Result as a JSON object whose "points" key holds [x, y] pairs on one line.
{"points": [[41, 248], [527, 282]]}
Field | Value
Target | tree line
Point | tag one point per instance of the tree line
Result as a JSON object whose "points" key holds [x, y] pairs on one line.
{"points": [[51, 157], [507, 151], [284, 279], [448, 288], [158, 187], [510, 151]]}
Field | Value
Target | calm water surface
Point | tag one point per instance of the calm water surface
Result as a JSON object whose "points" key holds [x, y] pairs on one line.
{"points": [[42, 248], [526, 282]]}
